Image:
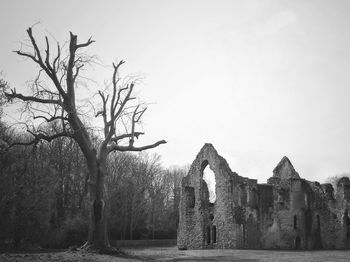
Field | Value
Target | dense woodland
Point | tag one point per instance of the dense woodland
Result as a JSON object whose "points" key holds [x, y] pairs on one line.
{"points": [[43, 189]]}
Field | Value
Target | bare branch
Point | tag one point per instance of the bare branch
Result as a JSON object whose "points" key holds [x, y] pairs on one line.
{"points": [[37, 58], [55, 63], [115, 147], [38, 137], [47, 60], [139, 114], [73, 46], [77, 71], [115, 82], [120, 137], [27, 55], [37, 51], [99, 113], [136, 116], [52, 118], [89, 42], [123, 103], [114, 116], [13, 95], [104, 111], [131, 141]]}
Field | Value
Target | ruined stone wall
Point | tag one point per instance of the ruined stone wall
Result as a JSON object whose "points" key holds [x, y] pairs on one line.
{"points": [[286, 213], [197, 222]]}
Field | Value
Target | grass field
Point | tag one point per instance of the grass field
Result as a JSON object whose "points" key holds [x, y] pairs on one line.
{"points": [[175, 255]]}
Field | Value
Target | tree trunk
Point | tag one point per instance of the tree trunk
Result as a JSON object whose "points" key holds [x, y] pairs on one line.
{"points": [[131, 218], [153, 220], [124, 222], [98, 235], [17, 236]]}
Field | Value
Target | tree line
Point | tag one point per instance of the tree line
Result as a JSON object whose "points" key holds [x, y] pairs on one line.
{"points": [[50, 191], [43, 189]]}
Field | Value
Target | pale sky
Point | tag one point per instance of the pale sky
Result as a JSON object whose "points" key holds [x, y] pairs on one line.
{"points": [[257, 79]]}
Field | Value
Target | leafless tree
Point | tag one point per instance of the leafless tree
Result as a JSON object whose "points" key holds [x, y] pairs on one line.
{"points": [[59, 95]]}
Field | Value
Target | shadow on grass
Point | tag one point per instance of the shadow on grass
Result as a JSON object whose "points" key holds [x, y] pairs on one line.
{"points": [[30, 250], [216, 259]]}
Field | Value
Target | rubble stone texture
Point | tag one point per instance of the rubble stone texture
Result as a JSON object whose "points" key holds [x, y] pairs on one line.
{"points": [[286, 213]]}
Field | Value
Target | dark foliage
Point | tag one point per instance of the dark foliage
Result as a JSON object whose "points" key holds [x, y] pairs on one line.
{"points": [[43, 188]]}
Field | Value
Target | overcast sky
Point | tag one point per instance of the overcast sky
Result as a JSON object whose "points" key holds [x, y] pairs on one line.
{"points": [[257, 79]]}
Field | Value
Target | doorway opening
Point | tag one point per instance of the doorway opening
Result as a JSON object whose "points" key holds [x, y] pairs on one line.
{"points": [[297, 243]]}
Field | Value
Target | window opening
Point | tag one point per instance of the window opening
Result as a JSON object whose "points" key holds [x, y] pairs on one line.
{"points": [[209, 178], [214, 234]]}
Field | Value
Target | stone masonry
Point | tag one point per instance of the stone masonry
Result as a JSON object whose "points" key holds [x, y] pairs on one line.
{"points": [[286, 213]]}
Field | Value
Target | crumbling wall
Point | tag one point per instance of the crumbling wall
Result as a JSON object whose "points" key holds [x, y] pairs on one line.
{"points": [[199, 222], [286, 213]]}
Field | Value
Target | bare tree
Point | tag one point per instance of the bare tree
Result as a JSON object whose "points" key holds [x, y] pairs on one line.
{"points": [[59, 94]]}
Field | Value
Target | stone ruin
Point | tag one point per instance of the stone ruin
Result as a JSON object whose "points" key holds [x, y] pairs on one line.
{"points": [[286, 213]]}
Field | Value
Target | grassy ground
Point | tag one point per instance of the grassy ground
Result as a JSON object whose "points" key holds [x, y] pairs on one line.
{"points": [[175, 255], [62, 256]]}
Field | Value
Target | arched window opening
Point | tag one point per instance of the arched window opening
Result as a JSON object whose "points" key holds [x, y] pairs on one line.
{"points": [[209, 178], [214, 234], [297, 243], [295, 222]]}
